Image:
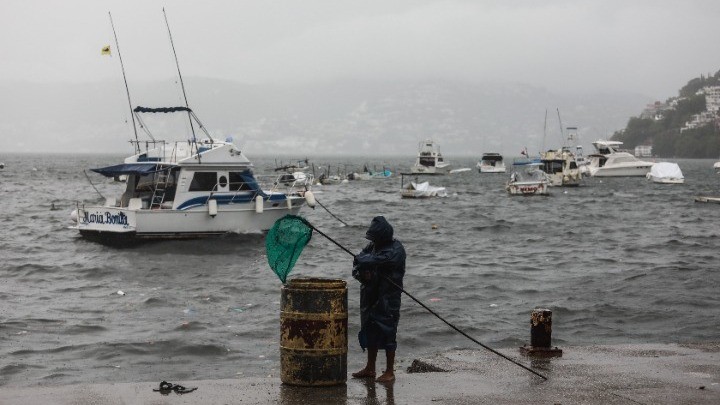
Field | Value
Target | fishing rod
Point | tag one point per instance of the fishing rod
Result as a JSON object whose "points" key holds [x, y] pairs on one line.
{"points": [[127, 89], [426, 307], [182, 84]]}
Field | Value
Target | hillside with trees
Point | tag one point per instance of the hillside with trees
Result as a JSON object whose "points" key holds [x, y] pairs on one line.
{"points": [[687, 126]]}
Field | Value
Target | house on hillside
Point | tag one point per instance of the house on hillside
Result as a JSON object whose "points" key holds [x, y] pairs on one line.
{"points": [[643, 151]]}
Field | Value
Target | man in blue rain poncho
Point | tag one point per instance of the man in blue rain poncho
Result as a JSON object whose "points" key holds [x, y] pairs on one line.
{"points": [[383, 259]]}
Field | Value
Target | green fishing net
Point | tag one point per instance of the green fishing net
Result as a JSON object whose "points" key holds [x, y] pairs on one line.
{"points": [[284, 243]]}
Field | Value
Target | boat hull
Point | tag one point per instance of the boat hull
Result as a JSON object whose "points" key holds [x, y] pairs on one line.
{"points": [[440, 169], [666, 180], [639, 170], [491, 169], [111, 224], [565, 180], [527, 188]]}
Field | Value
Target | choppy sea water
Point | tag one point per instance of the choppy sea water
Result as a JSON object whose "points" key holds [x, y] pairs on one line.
{"points": [[616, 260]]}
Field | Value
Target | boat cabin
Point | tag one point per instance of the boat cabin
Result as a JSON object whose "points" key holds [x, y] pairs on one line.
{"points": [[173, 187]]}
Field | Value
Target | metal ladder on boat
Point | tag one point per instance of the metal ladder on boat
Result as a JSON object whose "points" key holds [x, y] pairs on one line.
{"points": [[158, 196]]}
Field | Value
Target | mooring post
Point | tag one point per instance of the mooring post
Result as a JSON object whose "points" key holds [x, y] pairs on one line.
{"points": [[541, 335]]}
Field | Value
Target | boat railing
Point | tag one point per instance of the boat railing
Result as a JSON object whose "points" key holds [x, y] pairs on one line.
{"points": [[286, 183], [237, 188], [160, 150], [264, 184]]}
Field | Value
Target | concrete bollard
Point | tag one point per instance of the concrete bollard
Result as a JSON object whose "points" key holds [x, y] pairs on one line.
{"points": [[541, 335]]}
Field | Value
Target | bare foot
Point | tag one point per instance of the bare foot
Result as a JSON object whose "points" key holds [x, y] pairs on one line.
{"points": [[386, 377], [364, 373]]}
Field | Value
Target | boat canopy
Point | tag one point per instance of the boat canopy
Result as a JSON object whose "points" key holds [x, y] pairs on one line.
{"points": [[131, 168], [667, 170], [160, 109]]}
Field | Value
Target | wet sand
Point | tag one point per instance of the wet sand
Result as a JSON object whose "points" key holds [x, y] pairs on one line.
{"points": [[617, 374]]}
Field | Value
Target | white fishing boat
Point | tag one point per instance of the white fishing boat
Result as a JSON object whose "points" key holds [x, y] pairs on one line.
{"points": [[418, 189], [527, 179], [188, 189], [666, 173], [561, 167], [422, 190], [610, 161], [368, 174], [429, 159], [491, 163]]}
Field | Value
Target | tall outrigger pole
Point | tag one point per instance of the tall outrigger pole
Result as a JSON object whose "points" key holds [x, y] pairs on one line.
{"points": [[182, 85], [544, 132], [127, 89], [562, 135]]}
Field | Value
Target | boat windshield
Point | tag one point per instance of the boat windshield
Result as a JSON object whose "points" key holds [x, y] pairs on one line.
{"points": [[528, 172]]}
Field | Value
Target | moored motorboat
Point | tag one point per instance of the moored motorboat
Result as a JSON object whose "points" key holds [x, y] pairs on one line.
{"points": [[561, 167], [419, 189], [491, 163], [187, 189], [422, 190], [527, 179], [430, 160], [610, 161], [666, 173]]}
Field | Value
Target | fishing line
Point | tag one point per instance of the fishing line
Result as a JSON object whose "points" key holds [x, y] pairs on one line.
{"points": [[428, 309], [333, 215], [93, 186]]}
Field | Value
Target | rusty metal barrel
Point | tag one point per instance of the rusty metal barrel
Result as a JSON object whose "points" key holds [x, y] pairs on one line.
{"points": [[313, 332]]}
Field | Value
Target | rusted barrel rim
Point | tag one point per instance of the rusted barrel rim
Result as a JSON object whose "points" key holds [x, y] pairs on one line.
{"points": [[311, 283]]}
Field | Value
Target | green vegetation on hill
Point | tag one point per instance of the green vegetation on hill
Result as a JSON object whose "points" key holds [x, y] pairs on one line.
{"points": [[664, 134]]}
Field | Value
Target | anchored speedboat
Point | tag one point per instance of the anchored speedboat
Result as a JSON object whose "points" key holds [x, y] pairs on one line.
{"points": [[187, 189]]}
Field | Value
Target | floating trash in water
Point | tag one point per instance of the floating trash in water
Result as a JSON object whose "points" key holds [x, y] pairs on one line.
{"points": [[120, 292], [434, 299], [493, 305]]}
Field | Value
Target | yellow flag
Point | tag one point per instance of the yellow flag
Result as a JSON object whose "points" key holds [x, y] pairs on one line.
{"points": [[105, 50]]}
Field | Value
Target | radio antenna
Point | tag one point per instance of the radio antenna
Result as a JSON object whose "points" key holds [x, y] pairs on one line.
{"points": [[127, 89], [182, 85]]}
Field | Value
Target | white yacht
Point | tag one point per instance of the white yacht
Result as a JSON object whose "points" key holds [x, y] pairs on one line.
{"points": [[491, 163], [429, 159], [610, 161], [188, 189]]}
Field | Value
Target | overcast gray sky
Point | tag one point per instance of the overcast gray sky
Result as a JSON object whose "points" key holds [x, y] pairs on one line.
{"points": [[649, 47]]}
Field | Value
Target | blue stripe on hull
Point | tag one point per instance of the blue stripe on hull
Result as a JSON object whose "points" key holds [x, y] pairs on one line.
{"points": [[225, 199]]}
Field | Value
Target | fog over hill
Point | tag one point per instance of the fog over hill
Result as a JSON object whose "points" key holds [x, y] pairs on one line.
{"points": [[342, 117]]}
